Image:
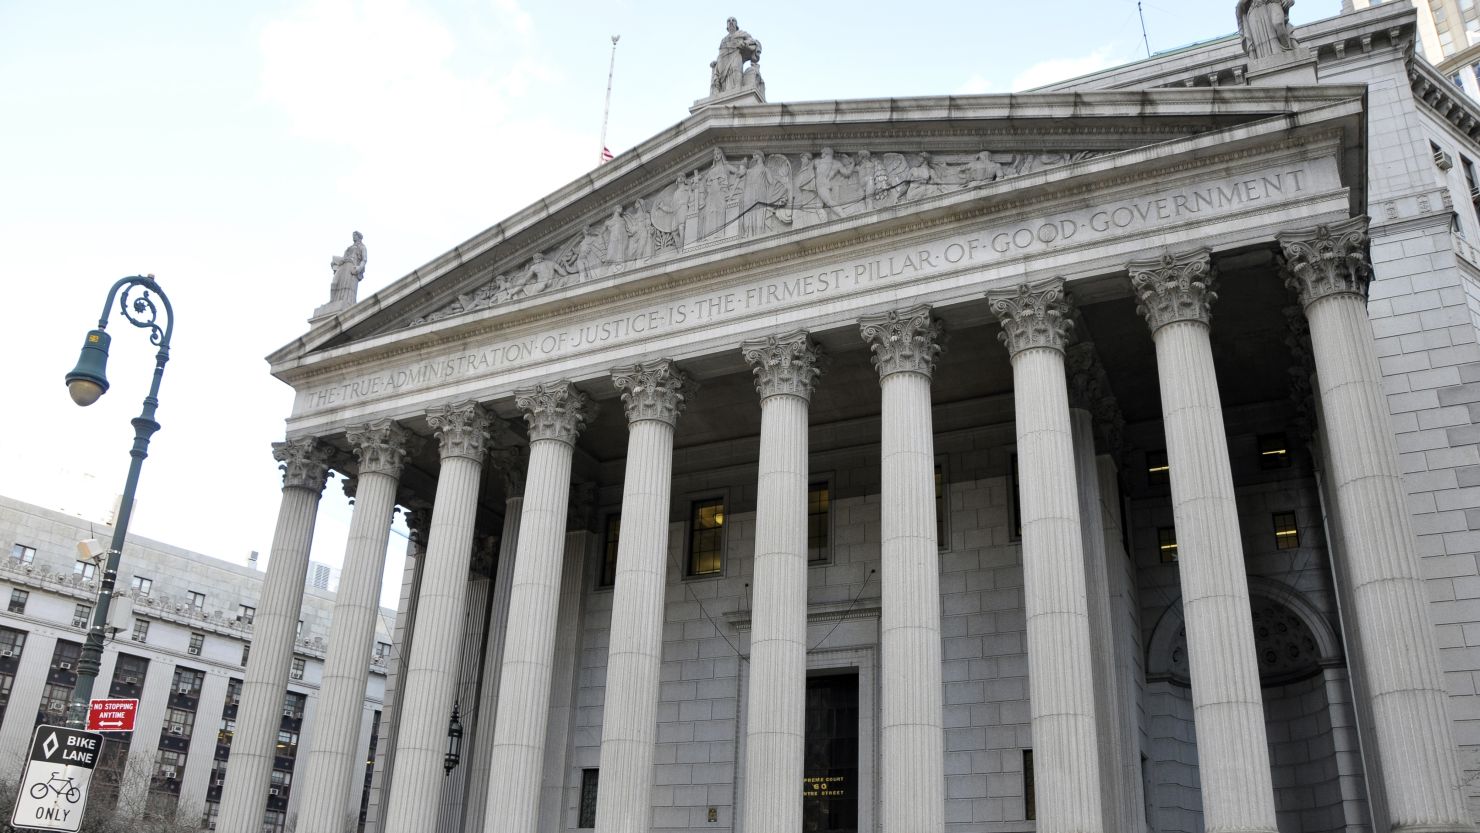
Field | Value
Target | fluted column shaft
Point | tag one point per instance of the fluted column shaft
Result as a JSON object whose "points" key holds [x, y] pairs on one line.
{"points": [[481, 760], [1328, 267], [1228, 708], [775, 733], [653, 394], [305, 467], [1061, 675], [431, 666], [904, 345], [334, 773]]}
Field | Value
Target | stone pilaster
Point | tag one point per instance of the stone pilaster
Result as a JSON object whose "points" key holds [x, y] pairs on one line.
{"points": [[558, 729], [1328, 268], [512, 463], [333, 770], [556, 413], [1035, 328], [905, 345], [786, 369], [654, 394], [305, 464], [431, 680], [1176, 294]]}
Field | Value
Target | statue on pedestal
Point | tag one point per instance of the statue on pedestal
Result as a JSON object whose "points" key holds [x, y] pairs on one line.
{"points": [[728, 72], [1264, 26], [349, 270]]}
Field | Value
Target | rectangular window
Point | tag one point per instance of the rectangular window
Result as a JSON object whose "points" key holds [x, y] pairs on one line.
{"points": [[140, 585], [273, 821], [1030, 789], [18, 600], [298, 632], [590, 781], [23, 553], [54, 700], [1158, 472], [197, 641], [1015, 495], [233, 691], [1274, 451], [246, 614], [246, 652], [382, 650], [11, 642], [1286, 532], [198, 600], [141, 631], [82, 616], [942, 529], [1166, 543], [608, 576], [819, 524], [707, 537], [179, 722], [297, 669], [188, 681], [86, 569], [286, 742]]}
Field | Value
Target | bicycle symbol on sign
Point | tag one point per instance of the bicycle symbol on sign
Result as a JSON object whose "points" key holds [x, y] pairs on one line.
{"points": [[59, 785]]}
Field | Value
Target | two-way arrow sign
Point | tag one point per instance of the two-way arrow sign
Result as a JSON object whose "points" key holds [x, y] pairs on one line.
{"points": [[112, 715]]}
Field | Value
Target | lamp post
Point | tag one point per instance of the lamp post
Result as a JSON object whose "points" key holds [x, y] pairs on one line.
{"points": [[88, 381], [454, 743]]}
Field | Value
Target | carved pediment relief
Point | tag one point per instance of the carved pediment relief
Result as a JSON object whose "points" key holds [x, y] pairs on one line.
{"points": [[733, 198]]}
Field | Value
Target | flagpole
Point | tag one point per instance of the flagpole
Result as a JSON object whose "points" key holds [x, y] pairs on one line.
{"points": [[607, 110]]}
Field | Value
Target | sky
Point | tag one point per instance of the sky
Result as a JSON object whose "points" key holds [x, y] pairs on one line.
{"points": [[230, 149]]}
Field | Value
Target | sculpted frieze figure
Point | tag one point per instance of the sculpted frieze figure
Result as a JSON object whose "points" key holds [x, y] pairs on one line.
{"points": [[729, 71], [728, 199], [1264, 26]]}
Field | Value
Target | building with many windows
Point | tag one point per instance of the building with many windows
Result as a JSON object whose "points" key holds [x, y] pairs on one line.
{"points": [[1448, 36], [183, 656]]}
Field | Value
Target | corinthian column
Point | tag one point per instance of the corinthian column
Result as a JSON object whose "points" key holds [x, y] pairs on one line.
{"points": [[431, 666], [334, 767], [654, 394], [1329, 269], [305, 465], [512, 463], [1176, 294], [786, 368], [556, 413], [1035, 328], [905, 344]]}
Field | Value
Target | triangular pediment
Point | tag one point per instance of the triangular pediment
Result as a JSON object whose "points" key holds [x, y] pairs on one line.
{"points": [[730, 179]]}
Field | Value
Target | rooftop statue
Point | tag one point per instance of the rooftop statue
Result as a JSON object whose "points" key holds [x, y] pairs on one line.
{"points": [[729, 72], [349, 270], [1264, 26]]}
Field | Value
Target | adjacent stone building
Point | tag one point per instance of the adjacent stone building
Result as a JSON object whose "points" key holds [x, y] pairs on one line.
{"points": [[183, 654], [1099, 458]]}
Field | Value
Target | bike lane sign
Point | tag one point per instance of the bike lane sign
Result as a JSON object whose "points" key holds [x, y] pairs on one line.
{"points": [[53, 790]]}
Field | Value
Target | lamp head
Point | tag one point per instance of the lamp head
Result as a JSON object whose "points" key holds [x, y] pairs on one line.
{"points": [[454, 742], [89, 379]]}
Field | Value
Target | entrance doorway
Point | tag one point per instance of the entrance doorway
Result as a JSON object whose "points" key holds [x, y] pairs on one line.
{"points": [[830, 787]]}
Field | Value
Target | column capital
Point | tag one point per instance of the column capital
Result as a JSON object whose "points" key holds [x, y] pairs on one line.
{"points": [[1089, 390], [1174, 287], [903, 341], [1327, 260], [418, 514], [1033, 315], [305, 462], [382, 446], [784, 365], [655, 390], [351, 486], [512, 464], [462, 430], [555, 411]]}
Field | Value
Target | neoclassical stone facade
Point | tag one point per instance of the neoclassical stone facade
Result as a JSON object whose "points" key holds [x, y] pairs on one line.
{"points": [[1097, 459]]}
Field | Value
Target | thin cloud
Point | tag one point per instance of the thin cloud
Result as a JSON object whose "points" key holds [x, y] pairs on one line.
{"points": [[1062, 69], [977, 84]]}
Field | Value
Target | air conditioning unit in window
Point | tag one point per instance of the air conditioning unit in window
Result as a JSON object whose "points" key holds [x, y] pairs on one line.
{"points": [[210, 825], [219, 782], [184, 688], [1443, 160], [1475, 193], [65, 666], [169, 773], [287, 712], [177, 730], [297, 675], [130, 680], [273, 791], [194, 651], [7, 653]]}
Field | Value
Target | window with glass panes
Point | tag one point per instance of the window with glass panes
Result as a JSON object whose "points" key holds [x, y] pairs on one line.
{"points": [[590, 782], [706, 537], [197, 642], [23, 553], [819, 524], [81, 616], [18, 599], [942, 529], [11, 642], [296, 672], [140, 585], [608, 575], [54, 700], [1166, 543], [246, 613], [86, 569], [179, 722], [1286, 531], [197, 600], [141, 630], [7, 681], [1030, 787]]}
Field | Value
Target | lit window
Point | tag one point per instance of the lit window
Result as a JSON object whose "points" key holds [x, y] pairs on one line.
{"points": [[706, 537], [141, 630], [1166, 543], [608, 576], [197, 600], [82, 616], [86, 569], [23, 553], [1274, 451], [141, 586], [1286, 532], [18, 600], [1158, 471], [819, 514]]}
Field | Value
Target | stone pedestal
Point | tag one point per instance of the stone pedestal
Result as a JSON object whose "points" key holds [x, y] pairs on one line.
{"points": [[305, 464], [1291, 69], [740, 97]]}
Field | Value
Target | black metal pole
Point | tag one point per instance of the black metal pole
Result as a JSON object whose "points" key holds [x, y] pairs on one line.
{"points": [[144, 424]]}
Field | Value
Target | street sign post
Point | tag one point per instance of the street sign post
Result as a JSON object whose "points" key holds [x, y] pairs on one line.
{"points": [[53, 793], [112, 715]]}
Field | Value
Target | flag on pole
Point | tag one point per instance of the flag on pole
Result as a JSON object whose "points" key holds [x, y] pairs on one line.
{"points": [[606, 156]]}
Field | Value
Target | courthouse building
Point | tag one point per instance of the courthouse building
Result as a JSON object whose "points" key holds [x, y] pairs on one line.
{"points": [[1099, 458]]}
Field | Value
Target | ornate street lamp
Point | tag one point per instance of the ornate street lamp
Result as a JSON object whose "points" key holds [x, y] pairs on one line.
{"points": [[139, 301], [454, 743]]}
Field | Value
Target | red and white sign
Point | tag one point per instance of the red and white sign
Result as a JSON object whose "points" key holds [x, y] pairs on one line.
{"points": [[112, 715]]}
